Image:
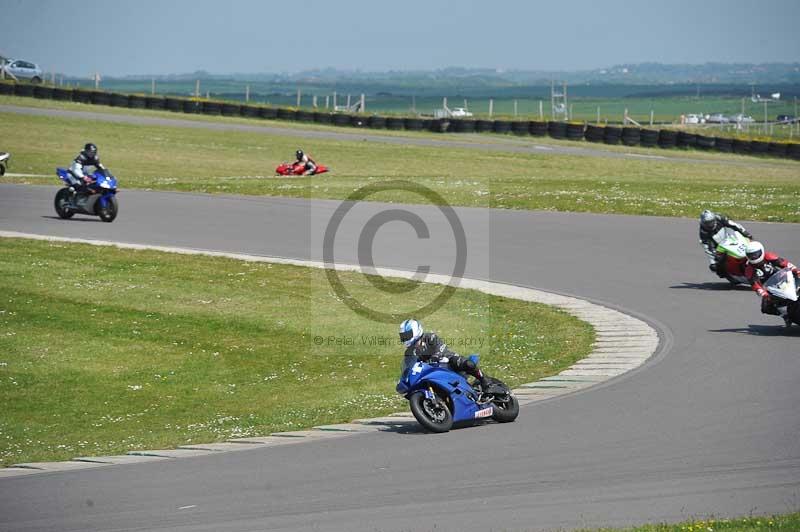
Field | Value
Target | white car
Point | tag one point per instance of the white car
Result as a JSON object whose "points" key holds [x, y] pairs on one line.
{"points": [[742, 119], [24, 70], [459, 112], [694, 119]]}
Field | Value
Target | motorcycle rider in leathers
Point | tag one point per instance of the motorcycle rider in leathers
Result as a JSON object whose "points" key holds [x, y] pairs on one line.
{"points": [[761, 265], [710, 223], [77, 173], [309, 166], [428, 347]]}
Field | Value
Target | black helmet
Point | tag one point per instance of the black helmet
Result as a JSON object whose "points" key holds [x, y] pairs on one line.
{"points": [[299, 154], [90, 150]]}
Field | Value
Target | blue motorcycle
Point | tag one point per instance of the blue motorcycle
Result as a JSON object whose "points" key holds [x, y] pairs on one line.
{"points": [[440, 397], [98, 198]]}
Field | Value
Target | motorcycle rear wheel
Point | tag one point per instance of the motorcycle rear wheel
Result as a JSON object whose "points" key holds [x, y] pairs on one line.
{"points": [[60, 203], [432, 414], [505, 410]]}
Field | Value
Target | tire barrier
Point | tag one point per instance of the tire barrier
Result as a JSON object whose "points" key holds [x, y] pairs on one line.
{"points": [[376, 122], [43, 92], [358, 121], [612, 135], [173, 104], [231, 109], [467, 125], [777, 149], [575, 131], [667, 138], [155, 102], [250, 111], [211, 108], [686, 139], [519, 127], [648, 138], [100, 98], [341, 120], [704, 142], [23, 89], [192, 106], [137, 101], [481, 126], [270, 113], [304, 116], [631, 136], [62, 95], [81, 96], [538, 128], [501, 126], [119, 100], [439, 125], [557, 130], [286, 114], [321, 117], [413, 124], [723, 144], [594, 133], [759, 147], [395, 123], [741, 147]]}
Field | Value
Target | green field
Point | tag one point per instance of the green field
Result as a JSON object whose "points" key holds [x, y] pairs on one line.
{"points": [[105, 350], [788, 522], [403, 98], [202, 160]]}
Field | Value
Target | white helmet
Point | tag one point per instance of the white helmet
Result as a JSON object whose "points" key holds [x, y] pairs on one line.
{"points": [[754, 252], [410, 331]]}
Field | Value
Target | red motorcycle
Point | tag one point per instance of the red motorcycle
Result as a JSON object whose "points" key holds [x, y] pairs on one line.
{"points": [[298, 169]]}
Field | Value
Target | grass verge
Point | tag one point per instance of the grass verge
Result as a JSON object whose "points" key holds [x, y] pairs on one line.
{"points": [[104, 350], [744, 524], [201, 160]]}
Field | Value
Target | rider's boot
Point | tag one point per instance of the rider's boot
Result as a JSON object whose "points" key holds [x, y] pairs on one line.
{"points": [[784, 313]]}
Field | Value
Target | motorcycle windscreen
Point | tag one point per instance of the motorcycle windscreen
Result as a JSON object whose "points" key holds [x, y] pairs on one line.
{"points": [[731, 242], [782, 284]]}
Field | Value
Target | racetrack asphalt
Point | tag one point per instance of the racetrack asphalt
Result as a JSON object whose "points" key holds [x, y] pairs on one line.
{"points": [[709, 426]]}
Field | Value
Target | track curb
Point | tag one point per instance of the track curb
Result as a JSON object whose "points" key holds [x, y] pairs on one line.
{"points": [[622, 344]]}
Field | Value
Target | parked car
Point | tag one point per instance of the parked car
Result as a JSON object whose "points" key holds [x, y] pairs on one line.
{"points": [[694, 119], [24, 70], [786, 119], [460, 112], [717, 118], [742, 119]]}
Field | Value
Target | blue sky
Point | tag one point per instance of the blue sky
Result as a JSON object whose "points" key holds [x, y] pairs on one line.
{"points": [[174, 36]]}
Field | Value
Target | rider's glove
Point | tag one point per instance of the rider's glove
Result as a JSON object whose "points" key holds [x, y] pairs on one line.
{"points": [[713, 267], [748, 234]]}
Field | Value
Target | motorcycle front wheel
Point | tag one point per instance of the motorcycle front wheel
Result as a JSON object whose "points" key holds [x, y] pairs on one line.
{"points": [[432, 414], [61, 202], [109, 212]]}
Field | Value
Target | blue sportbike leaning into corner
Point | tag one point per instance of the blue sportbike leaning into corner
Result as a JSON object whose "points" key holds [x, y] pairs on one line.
{"points": [[97, 198], [439, 396]]}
